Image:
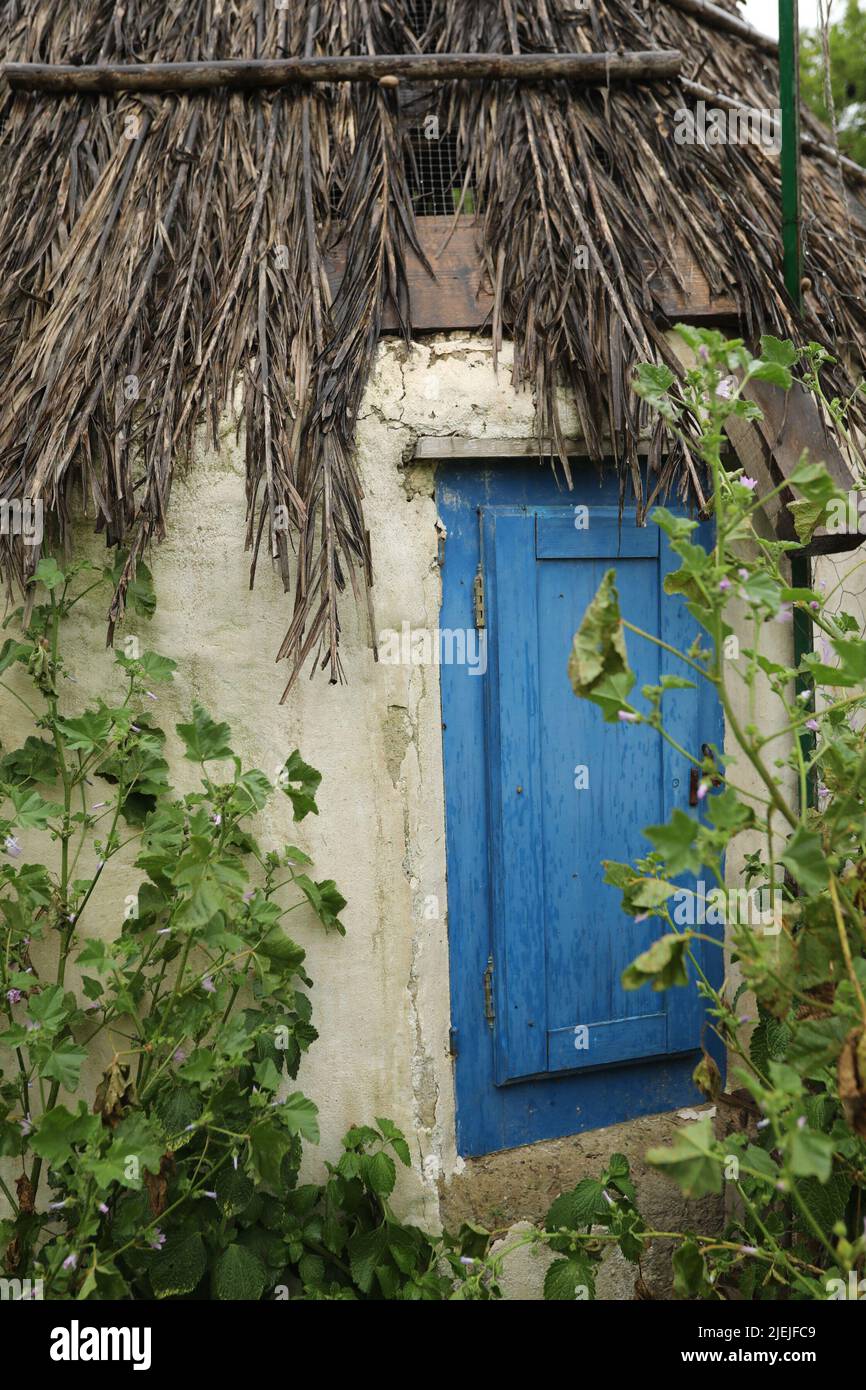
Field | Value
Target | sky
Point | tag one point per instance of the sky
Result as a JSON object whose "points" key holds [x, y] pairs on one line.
{"points": [[764, 14]]}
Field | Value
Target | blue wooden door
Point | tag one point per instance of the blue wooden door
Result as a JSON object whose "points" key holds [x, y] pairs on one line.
{"points": [[539, 790]]}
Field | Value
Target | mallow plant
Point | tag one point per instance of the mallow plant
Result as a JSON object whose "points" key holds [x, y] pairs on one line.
{"points": [[793, 1159], [150, 1123]]}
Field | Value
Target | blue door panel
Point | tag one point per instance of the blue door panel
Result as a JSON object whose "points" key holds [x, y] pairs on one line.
{"points": [[547, 1042]]}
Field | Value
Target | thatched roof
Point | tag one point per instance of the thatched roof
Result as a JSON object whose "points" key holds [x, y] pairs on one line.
{"points": [[139, 282]]}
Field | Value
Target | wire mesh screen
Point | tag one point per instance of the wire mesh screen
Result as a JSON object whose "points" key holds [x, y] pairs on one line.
{"points": [[435, 173]]}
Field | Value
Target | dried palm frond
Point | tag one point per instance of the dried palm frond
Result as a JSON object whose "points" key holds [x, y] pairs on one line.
{"points": [[162, 257]]}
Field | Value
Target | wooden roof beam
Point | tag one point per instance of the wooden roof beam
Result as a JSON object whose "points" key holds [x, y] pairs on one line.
{"points": [[589, 69], [714, 17]]}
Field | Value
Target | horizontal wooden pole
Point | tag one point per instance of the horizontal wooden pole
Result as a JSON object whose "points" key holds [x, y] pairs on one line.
{"points": [[714, 17], [246, 74]]}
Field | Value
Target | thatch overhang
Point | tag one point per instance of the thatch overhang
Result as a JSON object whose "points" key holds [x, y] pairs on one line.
{"points": [[156, 248]]}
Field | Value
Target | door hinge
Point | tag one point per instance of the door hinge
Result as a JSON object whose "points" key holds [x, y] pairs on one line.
{"points": [[452, 1042], [478, 599], [489, 1012]]}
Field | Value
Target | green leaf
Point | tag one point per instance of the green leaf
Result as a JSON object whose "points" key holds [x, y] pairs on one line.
{"points": [[179, 1266], [773, 372], [675, 842], [234, 1191], [269, 1144], [691, 1161], [577, 1208], [325, 899], [653, 382], [690, 1272], [300, 782], [239, 1276], [663, 964], [32, 812], [140, 593], [804, 856], [380, 1173], [300, 1116], [64, 1064], [48, 573], [365, 1253], [204, 739], [810, 1154], [35, 761], [49, 1008], [150, 667], [178, 1107], [89, 731], [779, 350], [59, 1130], [569, 1279], [598, 665], [12, 651]]}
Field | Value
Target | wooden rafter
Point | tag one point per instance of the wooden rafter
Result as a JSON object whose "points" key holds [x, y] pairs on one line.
{"points": [[241, 73]]}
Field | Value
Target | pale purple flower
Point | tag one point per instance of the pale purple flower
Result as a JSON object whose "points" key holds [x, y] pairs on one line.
{"points": [[744, 574], [25, 1125], [745, 1018], [762, 1124], [626, 716], [98, 805], [748, 1249], [785, 614], [179, 1056], [208, 985], [103, 1207], [212, 1195], [641, 917], [815, 605], [813, 725], [217, 818], [750, 483], [14, 996], [136, 728], [57, 1206], [157, 1240], [163, 931], [724, 584], [150, 695], [724, 388], [249, 895], [11, 846], [466, 1260], [703, 788], [801, 1122], [607, 1197], [704, 352], [70, 1262]]}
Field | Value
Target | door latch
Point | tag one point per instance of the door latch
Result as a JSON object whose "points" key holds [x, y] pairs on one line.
{"points": [[489, 1012]]}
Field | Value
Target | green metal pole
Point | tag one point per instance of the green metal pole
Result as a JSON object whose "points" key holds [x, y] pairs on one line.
{"points": [[789, 97]]}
